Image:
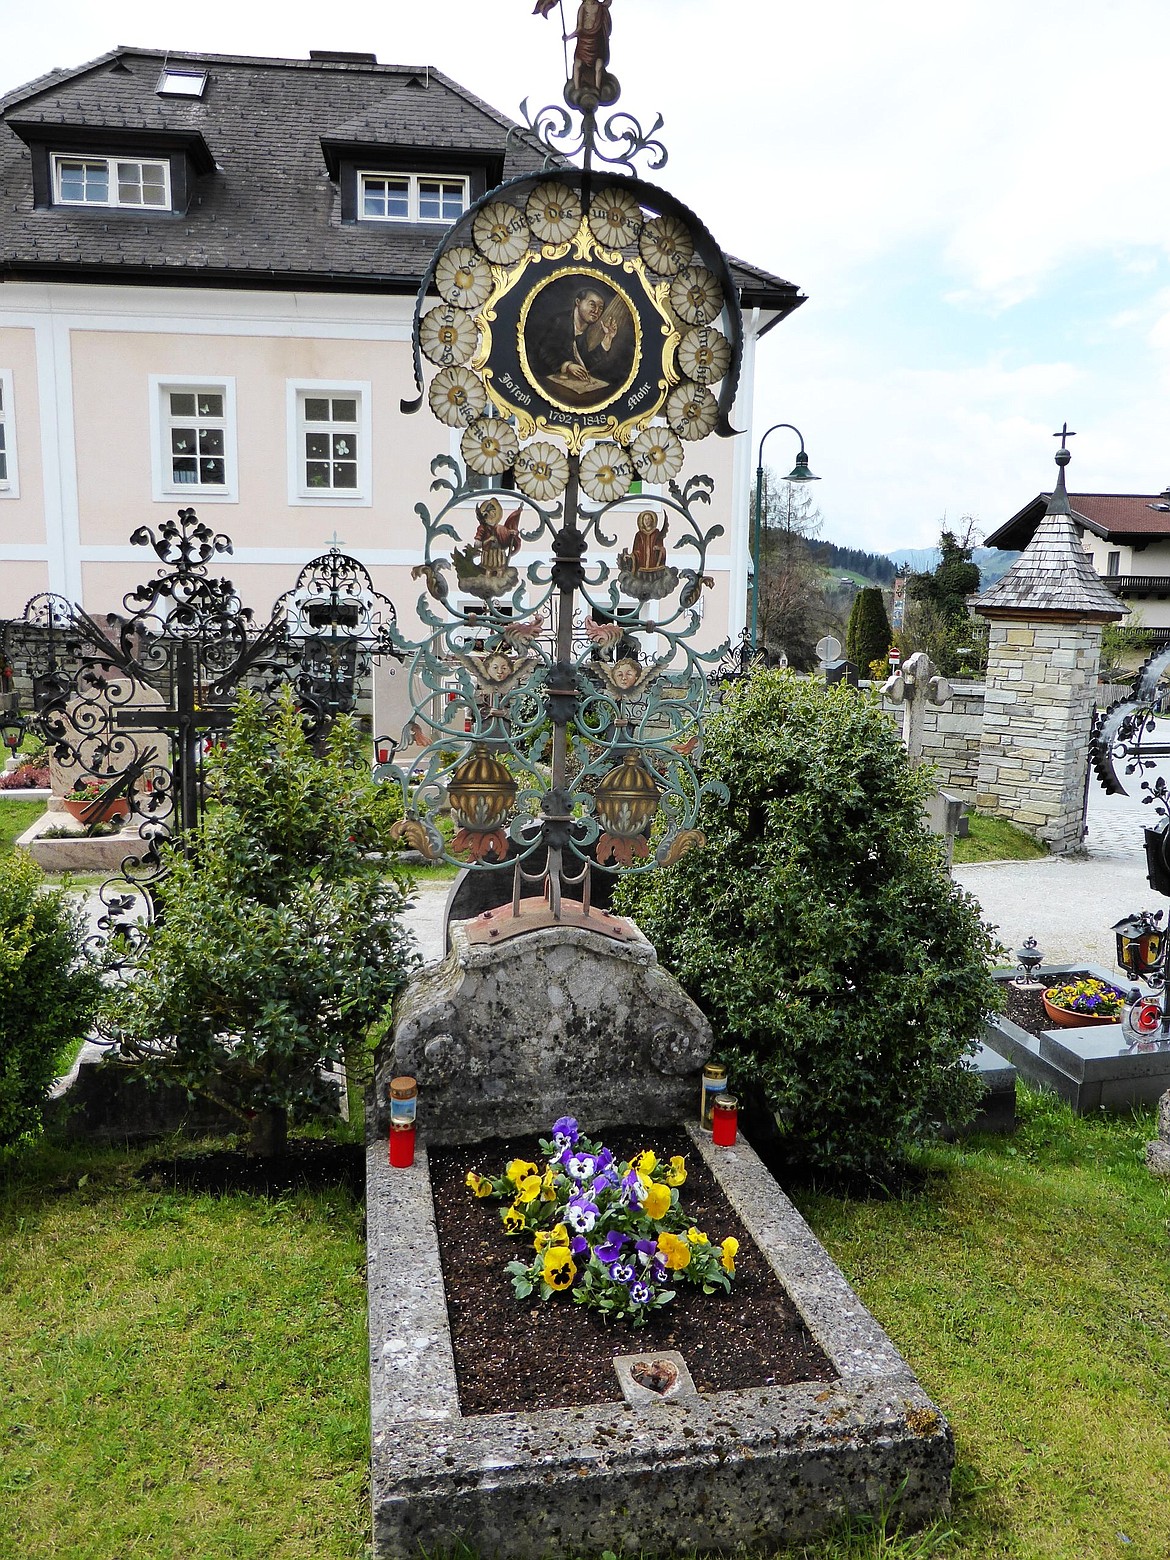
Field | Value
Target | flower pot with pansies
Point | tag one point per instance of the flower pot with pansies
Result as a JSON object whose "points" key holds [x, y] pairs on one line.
{"points": [[1080, 1003]]}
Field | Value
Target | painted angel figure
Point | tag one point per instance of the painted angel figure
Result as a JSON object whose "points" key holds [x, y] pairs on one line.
{"points": [[643, 572]]}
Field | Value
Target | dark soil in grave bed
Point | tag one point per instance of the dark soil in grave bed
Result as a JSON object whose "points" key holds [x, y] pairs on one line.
{"points": [[307, 1163], [1027, 1010], [522, 1355]]}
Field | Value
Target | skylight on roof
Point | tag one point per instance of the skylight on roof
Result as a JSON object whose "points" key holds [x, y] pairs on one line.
{"points": [[181, 83]]}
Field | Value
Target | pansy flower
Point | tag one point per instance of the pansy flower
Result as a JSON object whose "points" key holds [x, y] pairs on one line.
{"points": [[646, 1250], [657, 1273], [479, 1184], [645, 1162], [621, 1272], [565, 1132], [640, 1293], [631, 1189], [579, 1246], [656, 1203], [581, 1167], [548, 1191], [673, 1251], [696, 1237], [677, 1173], [513, 1220], [529, 1189], [581, 1215], [728, 1249], [610, 1249], [558, 1269], [518, 1169]]}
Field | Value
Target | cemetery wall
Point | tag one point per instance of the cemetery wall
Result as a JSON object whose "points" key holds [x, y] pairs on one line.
{"points": [[951, 736]]}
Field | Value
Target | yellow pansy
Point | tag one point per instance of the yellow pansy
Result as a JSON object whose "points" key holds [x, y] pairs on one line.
{"points": [[518, 1169], [677, 1173], [729, 1248], [656, 1201], [514, 1220], [696, 1237], [559, 1235], [479, 1184], [559, 1268], [674, 1252], [645, 1162], [529, 1189], [547, 1189]]}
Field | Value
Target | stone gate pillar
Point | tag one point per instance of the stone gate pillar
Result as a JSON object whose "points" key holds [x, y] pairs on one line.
{"points": [[1046, 615]]}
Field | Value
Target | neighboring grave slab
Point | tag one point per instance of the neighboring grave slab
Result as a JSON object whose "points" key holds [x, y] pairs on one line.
{"points": [[759, 1467], [511, 1031]]}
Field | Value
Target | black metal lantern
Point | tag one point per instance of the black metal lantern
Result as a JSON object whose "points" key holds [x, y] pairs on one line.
{"points": [[1139, 944], [1029, 958]]}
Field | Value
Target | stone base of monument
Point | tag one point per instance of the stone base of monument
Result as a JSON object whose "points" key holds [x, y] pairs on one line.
{"points": [[80, 852], [758, 1467], [1092, 1068]]}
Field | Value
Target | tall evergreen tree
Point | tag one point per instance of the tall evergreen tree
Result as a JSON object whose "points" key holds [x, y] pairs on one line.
{"points": [[868, 636]]}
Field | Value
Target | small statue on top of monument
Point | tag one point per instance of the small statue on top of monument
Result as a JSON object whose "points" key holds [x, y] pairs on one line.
{"points": [[590, 84]]}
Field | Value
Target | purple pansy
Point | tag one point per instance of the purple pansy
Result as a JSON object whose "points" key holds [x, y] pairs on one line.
{"points": [[581, 1215], [639, 1293], [610, 1249], [646, 1250], [578, 1245], [621, 1272], [581, 1167], [565, 1132], [631, 1191], [657, 1273]]}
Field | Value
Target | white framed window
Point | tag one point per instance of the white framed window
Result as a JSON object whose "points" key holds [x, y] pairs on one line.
{"points": [[410, 197], [9, 486], [176, 82], [329, 442], [140, 183], [193, 438]]}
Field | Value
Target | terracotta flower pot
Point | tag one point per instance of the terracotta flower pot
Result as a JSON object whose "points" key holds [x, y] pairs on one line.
{"points": [[89, 810], [1065, 1018]]}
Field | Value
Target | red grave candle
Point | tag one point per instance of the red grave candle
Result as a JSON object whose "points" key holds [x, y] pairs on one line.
{"points": [[724, 1120], [401, 1147]]}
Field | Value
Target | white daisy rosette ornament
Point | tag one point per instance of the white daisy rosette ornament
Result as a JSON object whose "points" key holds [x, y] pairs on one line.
{"points": [[666, 246], [615, 218], [542, 469], [696, 296], [554, 212], [447, 335], [657, 455], [704, 355], [463, 278], [500, 232], [457, 397], [691, 410], [606, 472], [490, 446]]}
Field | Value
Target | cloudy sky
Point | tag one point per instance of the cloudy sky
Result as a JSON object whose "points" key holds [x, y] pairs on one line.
{"points": [[972, 193]]}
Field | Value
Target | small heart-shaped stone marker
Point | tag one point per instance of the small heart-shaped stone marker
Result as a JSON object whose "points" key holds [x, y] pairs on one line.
{"points": [[655, 1375]]}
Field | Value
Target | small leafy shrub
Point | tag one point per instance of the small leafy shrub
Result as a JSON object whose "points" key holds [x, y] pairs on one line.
{"points": [[279, 943], [1097, 998], [844, 972], [615, 1233], [48, 992]]}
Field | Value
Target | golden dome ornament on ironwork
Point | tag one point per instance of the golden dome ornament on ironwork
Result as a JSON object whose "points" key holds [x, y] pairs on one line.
{"points": [[696, 296], [606, 472], [625, 804], [615, 218], [481, 792], [666, 245], [542, 471], [500, 232], [463, 277], [704, 355], [691, 410], [457, 397], [490, 446], [447, 335], [657, 455], [554, 212]]}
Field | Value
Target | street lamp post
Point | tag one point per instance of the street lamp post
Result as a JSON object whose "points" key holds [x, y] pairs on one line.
{"points": [[799, 473]]}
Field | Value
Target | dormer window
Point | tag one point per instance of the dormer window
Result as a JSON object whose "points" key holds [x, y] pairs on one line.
{"points": [[410, 197], [111, 181]]}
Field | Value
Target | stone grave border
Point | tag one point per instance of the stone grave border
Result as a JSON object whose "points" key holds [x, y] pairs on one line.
{"points": [[754, 1467]]}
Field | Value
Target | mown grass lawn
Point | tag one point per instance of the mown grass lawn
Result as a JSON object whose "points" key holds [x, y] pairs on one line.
{"points": [[15, 818], [995, 839], [185, 1376]]}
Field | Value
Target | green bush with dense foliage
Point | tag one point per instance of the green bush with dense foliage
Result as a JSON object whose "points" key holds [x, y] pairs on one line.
{"points": [[844, 972], [279, 943], [48, 992]]}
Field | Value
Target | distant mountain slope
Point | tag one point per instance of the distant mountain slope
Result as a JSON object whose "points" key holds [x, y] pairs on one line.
{"points": [[993, 561]]}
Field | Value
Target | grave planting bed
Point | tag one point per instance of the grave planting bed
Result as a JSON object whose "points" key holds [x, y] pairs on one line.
{"points": [[726, 1467], [512, 1355]]}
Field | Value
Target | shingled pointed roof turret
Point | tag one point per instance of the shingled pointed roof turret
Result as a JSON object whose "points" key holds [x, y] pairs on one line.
{"points": [[1053, 575]]}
